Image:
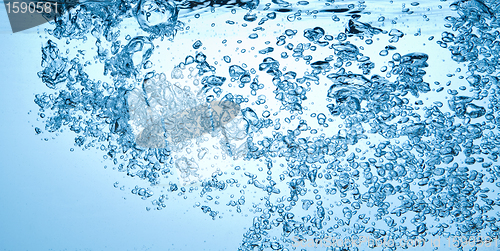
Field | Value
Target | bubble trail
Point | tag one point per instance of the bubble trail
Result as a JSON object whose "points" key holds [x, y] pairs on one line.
{"points": [[330, 147]]}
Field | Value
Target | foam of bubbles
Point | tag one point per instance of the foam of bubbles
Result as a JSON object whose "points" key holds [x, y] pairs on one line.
{"points": [[338, 149]]}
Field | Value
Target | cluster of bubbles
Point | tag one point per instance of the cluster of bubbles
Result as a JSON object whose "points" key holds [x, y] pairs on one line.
{"points": [[428, 163]]}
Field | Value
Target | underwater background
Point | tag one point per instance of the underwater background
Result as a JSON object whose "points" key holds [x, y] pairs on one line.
{"points": [[252, 125]]}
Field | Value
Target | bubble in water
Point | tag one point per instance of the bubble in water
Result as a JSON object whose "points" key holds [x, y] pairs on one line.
{"points": [[158, 17]]}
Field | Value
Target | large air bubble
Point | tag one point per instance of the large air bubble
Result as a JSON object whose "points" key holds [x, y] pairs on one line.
{"points": [[158, 17]]}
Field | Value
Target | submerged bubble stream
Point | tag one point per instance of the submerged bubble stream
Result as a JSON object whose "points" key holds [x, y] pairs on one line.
{"points": [[322, 111]]}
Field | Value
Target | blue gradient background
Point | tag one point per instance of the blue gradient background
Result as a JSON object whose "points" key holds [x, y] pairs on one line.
{"points": [[54, 199]]}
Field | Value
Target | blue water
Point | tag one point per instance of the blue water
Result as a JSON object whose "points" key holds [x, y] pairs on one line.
{"points": [[253, 125]]}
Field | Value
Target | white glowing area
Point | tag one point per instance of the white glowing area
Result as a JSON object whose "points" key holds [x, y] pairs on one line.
{"points": [[165, 115]]}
